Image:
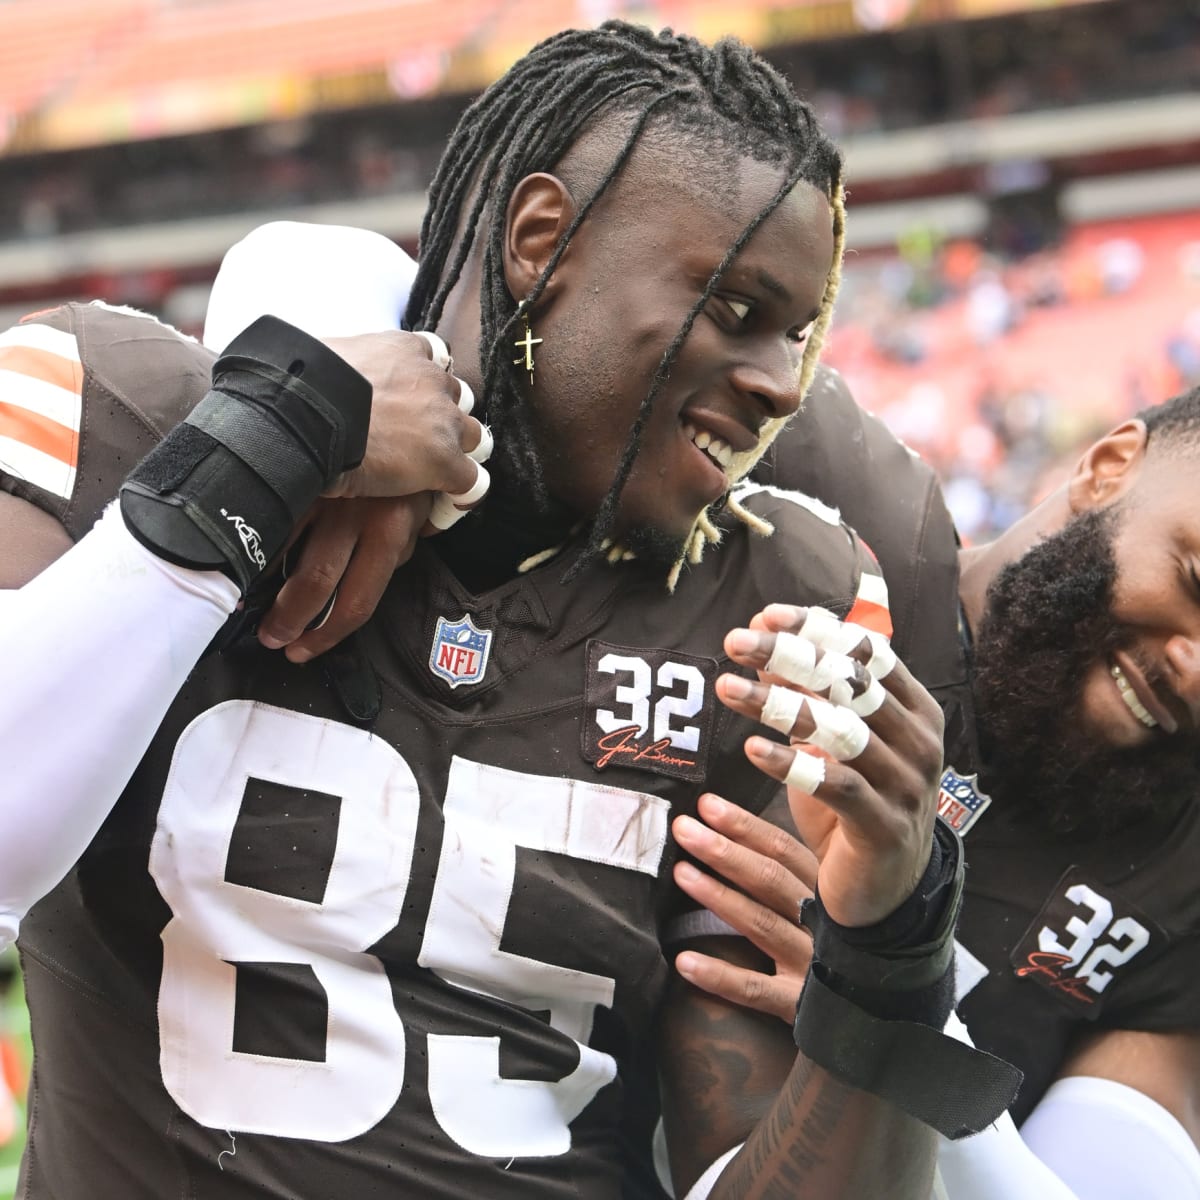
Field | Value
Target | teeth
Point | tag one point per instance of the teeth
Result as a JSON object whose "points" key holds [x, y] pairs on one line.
{"points": [[1131, 701], [719, 451]]}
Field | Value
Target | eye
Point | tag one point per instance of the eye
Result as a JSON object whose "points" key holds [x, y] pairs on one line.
{"points": [[801, 335], [739, 308]]}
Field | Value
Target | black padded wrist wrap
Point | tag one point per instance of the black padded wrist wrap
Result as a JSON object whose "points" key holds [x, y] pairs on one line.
{"points": [[224, 489], [876, 999]]}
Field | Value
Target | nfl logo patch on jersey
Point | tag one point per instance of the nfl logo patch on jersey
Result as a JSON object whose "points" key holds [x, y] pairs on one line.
{"points": [[460, 651], [960, 802]]}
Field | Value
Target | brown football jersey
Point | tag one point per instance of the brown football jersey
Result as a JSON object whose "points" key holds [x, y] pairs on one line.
{"points": [[1061, 934], [414, 952]]}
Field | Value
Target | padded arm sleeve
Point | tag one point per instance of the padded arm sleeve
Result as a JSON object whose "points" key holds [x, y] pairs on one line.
{"points": [[1088, 1139], [92, 653], [329, 280], [1109, 1141]]}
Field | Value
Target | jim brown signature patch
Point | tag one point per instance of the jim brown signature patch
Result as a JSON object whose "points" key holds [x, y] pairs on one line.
{"points": [[648, 709], [1084, 935]]}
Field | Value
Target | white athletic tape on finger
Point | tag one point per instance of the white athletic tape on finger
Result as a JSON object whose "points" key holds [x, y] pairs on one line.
{"points": [[781, 709], [466, 397], [795, 659], [476, 491], [483, 451], [826, 632], [837, 731], [443, 514], [440, 351], [806, 773]]}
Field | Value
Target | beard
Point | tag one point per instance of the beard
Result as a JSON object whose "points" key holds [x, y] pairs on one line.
{"points": [[1048, 621]]}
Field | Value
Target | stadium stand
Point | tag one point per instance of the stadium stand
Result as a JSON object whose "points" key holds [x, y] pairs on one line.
{"points": [[989, 162]]}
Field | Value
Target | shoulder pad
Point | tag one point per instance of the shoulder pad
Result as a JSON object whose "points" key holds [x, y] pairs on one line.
{"points": [[86, 390]]}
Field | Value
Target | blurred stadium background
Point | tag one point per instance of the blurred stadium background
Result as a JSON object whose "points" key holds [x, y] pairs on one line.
{"points": [[1023, 176]]}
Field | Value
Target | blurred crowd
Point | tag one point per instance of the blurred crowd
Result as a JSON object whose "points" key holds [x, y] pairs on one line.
{"points": [[908, 322], [926, 74], [999, 369]]}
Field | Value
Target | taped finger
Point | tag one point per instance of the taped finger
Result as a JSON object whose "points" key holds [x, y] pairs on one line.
{"points": [[843, 679], [837, 731], [806, 773], [466, 397], [439, 351], [443, 514], [483, 451], [827, 632], [476, 491]]}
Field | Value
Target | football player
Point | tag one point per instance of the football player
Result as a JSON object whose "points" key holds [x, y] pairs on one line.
{"points": [[390, 922], [1075, 781]]}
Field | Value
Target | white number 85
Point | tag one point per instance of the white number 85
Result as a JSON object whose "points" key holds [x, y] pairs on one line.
{"points": [[488, 813]]}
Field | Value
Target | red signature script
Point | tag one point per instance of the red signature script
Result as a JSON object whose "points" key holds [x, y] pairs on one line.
{"points": [[1047, 966], [623, 743]]}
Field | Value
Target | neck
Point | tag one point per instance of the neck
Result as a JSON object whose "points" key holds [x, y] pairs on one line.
{"points": [[486, 548]]}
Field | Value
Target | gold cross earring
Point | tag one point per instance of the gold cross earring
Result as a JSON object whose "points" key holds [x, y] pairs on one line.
{"points": [[526, 344]]}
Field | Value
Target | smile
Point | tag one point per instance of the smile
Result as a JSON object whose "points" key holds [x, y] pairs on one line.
{"points": [[1134, 705], [719, 451]]}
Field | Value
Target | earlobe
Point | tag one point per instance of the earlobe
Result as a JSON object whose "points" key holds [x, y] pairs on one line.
{"points": [[1108, 467], [540, 211]]}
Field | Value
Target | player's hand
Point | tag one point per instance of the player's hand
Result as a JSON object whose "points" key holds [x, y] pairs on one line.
{"points": [[337, 570], [422, 438], [771, 872], [865, 802]]}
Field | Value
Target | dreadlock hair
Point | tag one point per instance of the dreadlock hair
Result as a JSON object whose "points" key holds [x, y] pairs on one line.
{"points": [[720, 97]]}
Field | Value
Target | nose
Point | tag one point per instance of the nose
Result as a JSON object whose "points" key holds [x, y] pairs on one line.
{"points": [[770, 375], [1182, 653]]}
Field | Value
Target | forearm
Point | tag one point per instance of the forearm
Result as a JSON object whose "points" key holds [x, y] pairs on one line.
{"points": [[92, 652], [823, 1138]]}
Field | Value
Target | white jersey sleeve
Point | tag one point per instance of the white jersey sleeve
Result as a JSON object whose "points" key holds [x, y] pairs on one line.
{"points": [[92, 652]]}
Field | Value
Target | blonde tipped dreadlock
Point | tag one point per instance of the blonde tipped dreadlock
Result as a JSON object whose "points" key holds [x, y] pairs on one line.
{"points": [[705, 532], [706, 97]]}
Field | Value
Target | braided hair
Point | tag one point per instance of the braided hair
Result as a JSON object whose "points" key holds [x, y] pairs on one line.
{"points": [[711, 97]]}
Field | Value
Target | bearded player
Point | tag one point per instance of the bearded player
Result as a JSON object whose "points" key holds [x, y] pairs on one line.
{"points": [[1077, 700], [391, 924]]}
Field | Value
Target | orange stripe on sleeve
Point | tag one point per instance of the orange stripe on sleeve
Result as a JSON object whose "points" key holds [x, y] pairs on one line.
{"points": [[871, 616], [39, 432], [41, 364]]}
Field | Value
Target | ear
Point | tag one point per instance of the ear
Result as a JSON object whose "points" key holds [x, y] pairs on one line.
{"points": [[1108, 468], [540, 210]]}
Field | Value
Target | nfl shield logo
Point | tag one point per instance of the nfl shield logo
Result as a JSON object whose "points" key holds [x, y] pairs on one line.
{"points": [[460, 651], [960, 802]]}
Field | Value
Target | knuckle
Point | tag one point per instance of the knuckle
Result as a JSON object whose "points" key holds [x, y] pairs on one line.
{"points": [[779, 843], [754, 989], [318, 575], [770, 875], [764, 922], [354, 611]]}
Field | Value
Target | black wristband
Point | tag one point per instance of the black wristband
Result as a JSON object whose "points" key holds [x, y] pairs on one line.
{"points": [[904, 965], [942, 1082], [224, 489]]}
